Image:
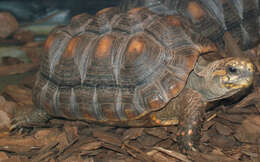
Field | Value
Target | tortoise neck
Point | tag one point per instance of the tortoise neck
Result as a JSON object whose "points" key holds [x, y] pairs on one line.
{"points": [[198, 84]]}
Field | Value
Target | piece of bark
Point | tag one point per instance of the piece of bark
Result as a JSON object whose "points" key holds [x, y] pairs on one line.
{"points": [[173, 154], [17, 69], [27, 141], [165, 144], [137, 153], [160, 157], [16, 159], [91, 146], [8, 24], [223, 141], [223, 129], [7, 106], [107, 137], [231, 117], [74, 158], [18, 149], [47, 136], [249, 131], [251, 99], [65, 142], [132, 133], [71, 133], [159, 132], [149, 141], [114, 148], [214, 156], [5, 121], [207, 125], [3, 156], [20, 94]]}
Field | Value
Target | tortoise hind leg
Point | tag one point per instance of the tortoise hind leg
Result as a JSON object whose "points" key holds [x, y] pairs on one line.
{"points": [[35, 118]]}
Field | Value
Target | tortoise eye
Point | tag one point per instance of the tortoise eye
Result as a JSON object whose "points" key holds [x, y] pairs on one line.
{"points": [[232, 70]]}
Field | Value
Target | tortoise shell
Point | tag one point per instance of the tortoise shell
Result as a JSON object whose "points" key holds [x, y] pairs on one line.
{"points": [[116, 66], [212, 18]]}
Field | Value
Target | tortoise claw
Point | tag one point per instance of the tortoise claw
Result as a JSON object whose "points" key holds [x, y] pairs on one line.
{"points": [[188, 140], [18, 126]]}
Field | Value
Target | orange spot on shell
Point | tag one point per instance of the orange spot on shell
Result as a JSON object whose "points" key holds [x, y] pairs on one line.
{"points": [[135, 48], [195, 10], [49, 42], [104, 46], [173, 20], [70, 50]]}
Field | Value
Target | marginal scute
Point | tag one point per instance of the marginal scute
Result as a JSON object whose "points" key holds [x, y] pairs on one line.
{"points": [[108, 111], [88, 116], [79, 17]]}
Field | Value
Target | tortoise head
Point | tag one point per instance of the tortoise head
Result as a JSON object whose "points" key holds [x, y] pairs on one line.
{"points": [[228, 76]]}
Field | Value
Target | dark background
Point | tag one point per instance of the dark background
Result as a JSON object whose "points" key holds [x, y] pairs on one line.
{"points": [[33, 9]]}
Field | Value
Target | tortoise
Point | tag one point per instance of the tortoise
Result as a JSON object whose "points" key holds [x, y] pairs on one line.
{"points": [[212, 18], [134, 69]]}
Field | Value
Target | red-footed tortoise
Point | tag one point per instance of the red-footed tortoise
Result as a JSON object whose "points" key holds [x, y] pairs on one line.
{"points": [[135, 69]]}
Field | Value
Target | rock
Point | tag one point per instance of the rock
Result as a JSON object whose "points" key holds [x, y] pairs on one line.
{"points": [[8, 24]]}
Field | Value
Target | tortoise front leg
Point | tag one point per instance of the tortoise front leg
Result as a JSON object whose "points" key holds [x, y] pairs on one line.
{"points": [[186, 110], [190, 120]]}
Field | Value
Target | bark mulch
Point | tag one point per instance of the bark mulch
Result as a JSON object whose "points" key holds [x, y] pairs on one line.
{"points": [[231, 131]]}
